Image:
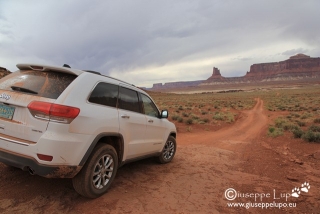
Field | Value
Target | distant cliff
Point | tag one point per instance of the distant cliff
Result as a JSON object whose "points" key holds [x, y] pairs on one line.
{"points": [[299, 66], [182, 84], [296, 67]]}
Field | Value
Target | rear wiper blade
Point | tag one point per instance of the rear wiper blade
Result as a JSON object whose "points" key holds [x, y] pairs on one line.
{"points": [[17, 88]]}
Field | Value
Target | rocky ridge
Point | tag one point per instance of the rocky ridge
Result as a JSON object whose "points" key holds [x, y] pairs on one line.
{"points": [[297, 67]]}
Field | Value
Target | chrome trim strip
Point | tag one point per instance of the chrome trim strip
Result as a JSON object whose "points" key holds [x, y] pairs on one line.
{"points": [[41, 118], [14, 141]]}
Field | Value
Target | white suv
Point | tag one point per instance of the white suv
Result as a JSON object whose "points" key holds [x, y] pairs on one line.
{"points": [[68, 123]]}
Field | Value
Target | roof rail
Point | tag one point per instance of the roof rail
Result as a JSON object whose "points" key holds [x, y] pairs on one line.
{"points": [[94, 72], [119, 80]]}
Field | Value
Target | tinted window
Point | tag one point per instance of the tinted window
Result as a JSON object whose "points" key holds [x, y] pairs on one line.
{"points": [[129, 100], [149, 107], [105, 94], [48, 84]]}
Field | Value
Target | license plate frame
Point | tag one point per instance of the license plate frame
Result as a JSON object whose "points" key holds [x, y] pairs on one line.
{"points": [[6, 111]]}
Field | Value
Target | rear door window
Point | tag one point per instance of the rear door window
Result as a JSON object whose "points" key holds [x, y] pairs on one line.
{"points": [[129, 100], [49, 84], [105, 94]]}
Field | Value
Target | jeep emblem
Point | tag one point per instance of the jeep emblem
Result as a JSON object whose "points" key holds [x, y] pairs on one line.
{"points": [[5, 96]]}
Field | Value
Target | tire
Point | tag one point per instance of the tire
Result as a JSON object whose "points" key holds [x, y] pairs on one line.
{"points": [[93, 181], [168, 151]]}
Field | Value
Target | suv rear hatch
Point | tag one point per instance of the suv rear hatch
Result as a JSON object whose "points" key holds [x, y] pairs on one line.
{"points": [[18, 122]]}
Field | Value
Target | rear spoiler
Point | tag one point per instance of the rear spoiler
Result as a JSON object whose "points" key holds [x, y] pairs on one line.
{"points": [[38, 67]]}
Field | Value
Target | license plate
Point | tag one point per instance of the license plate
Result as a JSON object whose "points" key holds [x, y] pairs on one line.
{"points": [[6, 111]]}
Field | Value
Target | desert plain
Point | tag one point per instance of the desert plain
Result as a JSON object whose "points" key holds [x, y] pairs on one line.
{"points": [[255, 141]]}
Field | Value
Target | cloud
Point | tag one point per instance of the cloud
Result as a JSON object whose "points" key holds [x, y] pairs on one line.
{"points": [[294, 51], [130, 39], [242, 58]]}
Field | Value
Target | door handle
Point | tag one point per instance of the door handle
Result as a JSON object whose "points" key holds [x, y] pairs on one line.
{"points": [[125, 116], [150, 121]]}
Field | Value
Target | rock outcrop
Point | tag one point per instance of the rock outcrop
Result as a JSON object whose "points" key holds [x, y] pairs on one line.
{"points": [[216, 75]]}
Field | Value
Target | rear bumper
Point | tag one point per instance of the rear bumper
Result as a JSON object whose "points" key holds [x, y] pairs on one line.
{"points": [[27, 163]]}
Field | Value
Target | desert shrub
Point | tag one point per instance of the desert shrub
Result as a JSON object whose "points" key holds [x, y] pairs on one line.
{"points": [[189, 121], [230, 118], [303, 109], [240, 105], [195, 117], [218, 116], [282, 108], [203, 121], [206, 120], [306, 115], [317, 120], [180, 119], [175, 117], [279, 122], [301, 123], [311, 136], [204, 112], [271, 129], [180, 108], [314, 128], [275, 132], [185, 114], [296, 115], [297, 133], [271, 108], [289, 126]]}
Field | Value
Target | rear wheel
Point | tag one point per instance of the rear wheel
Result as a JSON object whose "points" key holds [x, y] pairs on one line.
{"points": [[97, 174], [168, 151]]}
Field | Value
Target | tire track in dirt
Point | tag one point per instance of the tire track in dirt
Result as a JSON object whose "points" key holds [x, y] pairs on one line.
{"points": [[248, 127]]}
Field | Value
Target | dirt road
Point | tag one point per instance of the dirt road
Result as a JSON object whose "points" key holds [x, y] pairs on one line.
{"points": [[206, 164]]}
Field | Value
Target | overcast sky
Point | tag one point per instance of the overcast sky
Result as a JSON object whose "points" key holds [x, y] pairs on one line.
{"points": [[145, 42]]}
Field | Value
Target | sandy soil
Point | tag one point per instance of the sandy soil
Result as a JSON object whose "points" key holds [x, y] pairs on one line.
{"points": [[207, 163]]}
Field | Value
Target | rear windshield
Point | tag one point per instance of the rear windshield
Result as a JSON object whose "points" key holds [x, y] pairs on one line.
{"points": [[48, 84]]}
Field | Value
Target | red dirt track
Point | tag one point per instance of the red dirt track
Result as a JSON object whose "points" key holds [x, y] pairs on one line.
{"points": [[207, 163]]}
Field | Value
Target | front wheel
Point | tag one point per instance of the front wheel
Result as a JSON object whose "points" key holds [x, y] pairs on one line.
{"points": [[97, 174], [168, 150]]}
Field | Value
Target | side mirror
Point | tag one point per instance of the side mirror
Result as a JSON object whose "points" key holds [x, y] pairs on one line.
{"points": [[164, 114]]}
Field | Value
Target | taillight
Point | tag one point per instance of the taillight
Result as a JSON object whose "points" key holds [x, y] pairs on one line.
{"points": [[45, 157], [53, 112]]}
